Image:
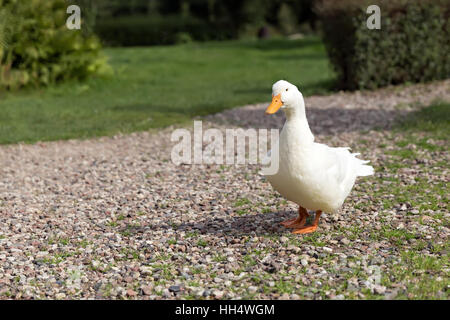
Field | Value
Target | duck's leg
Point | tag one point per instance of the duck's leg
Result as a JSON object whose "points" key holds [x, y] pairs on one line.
{"points": [[311, 228], [299, 221]]}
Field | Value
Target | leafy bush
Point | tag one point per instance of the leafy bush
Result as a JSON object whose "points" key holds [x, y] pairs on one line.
{"points": [[38, 49], [144, 22], [411, 46], [156, 30], [287, 19]]}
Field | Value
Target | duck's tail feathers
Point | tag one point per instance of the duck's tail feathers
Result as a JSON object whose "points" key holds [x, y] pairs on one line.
{"points": [[365, 170]]}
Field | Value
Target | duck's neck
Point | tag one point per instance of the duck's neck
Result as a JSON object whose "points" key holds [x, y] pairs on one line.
{"points": [[297, 123]]}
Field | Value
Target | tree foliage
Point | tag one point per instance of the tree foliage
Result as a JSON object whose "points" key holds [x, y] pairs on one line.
{"points": [[38, 49], [411, 46]]}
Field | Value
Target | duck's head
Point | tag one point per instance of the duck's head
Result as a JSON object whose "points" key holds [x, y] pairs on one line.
{"points": [[285, 96]]}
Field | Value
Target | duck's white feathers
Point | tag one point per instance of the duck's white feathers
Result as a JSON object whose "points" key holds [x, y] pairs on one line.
{"points": [[314, 175]]}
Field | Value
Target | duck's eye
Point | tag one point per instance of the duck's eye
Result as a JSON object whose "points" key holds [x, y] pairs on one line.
{"points": [[287, 89]]}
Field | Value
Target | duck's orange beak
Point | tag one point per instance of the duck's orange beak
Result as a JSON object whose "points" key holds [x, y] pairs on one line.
{"points": [[275, 105]]}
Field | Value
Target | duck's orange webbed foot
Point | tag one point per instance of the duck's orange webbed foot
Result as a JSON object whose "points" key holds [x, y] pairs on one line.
{"points": [[289, 222], [297, 222], [308, 229]]}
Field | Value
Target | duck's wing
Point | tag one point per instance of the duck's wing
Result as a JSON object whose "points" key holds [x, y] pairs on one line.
{"points": [[338, 165]]}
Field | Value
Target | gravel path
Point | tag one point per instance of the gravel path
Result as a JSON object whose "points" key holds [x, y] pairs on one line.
{"points": [[114, 218]]}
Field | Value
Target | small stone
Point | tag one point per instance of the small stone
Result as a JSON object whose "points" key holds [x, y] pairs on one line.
{"points": [[352, 285], [345, 241], [391, 295], [206, 293], [131, 293], [285, 296], [218, 294], [147, 290], [326, 249], [379, 289], [60, 296], [252, 289], [145, 270], [175, 288], [199, 292], [284, 239], [186, 275], [97, 286], [166, 293], [304, 262]]}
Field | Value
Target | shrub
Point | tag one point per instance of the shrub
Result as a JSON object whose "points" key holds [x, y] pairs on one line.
{"points": [[287, 19], [156, 30], [411, 46], [38, 49]]}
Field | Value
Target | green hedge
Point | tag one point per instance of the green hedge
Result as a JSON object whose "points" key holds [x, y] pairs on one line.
{"points": [[157, 30], [36, 47], [412, 45]]}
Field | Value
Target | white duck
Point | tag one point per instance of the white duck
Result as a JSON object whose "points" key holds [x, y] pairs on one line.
{"points": [[310, 174]]}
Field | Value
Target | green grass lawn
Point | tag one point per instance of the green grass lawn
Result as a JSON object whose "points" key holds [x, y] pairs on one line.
{"points": [[422, 136], [157, 86]]}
